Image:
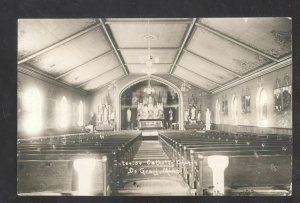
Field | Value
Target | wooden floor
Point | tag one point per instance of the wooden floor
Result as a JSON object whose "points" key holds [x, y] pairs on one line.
{"points": [[157, 179]]}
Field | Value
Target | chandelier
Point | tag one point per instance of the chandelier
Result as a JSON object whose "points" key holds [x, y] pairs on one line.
{"points": [[149, 89], [149, 59], [185, 87]]}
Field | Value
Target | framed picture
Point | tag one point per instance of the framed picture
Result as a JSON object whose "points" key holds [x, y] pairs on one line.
{"points": [[246, 104], [277, 100], [225, 107]]}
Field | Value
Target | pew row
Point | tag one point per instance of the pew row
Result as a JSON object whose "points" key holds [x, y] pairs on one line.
{"points": [[266, 163], [53, 165]]}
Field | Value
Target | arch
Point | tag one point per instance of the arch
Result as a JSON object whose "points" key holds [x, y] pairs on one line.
{"points": [[33, 106], [261, 107], [217, 116], [234, 110], [154, 78]]}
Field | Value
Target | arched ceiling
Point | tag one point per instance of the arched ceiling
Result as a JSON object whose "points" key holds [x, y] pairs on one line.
{"points": [[210, 53]]}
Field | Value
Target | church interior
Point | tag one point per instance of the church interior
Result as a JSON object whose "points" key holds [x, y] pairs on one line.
{"points": [[154, 107]]}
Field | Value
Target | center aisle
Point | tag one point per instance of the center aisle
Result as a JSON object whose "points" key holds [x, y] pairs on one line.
{"points": [[151, 173]]}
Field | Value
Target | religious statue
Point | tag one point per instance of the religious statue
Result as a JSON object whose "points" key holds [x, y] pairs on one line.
{"points": [[155, 111], [198, 116], [105, 114], [145, 112], [193, 113], [186, 116], [170, 115], [208, 116], [128, 115]]}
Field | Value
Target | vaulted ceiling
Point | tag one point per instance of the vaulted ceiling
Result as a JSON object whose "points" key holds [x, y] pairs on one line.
{"points": [[88, 54]]}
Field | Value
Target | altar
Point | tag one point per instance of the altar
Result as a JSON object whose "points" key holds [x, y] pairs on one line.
{"points": [[150, 124]]}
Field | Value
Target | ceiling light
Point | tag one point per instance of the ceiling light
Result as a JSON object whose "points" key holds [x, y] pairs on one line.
{"points": [[149, 59], [149, 89]]}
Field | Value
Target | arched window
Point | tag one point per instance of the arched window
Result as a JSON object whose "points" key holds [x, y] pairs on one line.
{"points": [[261, 101], [234, 107], [80, 114], [33, 111], [217, 112], [64, 113]]}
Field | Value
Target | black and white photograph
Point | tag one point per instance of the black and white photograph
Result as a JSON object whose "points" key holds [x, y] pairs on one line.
{"points": [[154, 106]]}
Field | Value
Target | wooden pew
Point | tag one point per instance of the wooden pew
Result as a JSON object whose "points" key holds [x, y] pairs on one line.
{"points": [[53, 158], [188, 149]]}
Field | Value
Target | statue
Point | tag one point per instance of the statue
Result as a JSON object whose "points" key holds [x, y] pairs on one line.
{"points": [[193, 113], [186, 116], [155, 111], [198, 116], [208, 116], [171, 115], [208, 119], [105, 114], [128, 115]]}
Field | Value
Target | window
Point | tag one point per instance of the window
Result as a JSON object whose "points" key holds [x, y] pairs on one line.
{"points": [[234, 110], [64, 113], [261, 107], [80, 114], [217, 112], [33, 111]]}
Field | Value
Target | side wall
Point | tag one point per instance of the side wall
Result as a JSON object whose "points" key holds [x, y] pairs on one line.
{"points": [[280, 123], [51, 96]]}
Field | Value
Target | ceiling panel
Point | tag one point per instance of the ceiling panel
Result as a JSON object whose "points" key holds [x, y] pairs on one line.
{"points": [[193, 78], [164, 55], [270, 35], [104, 79], [72, 54], [132, 35], [224, 52], [92, 69], [139, 68], [37, 34], [205, 68]]}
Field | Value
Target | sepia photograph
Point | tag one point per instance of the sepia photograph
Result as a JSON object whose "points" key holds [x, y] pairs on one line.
{"points": [[154, 106]]}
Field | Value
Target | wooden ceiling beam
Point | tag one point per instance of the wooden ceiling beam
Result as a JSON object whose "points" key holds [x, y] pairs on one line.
{"points": [[83, 64], [214, 82], [86, 82], [273, 66], [106, 84], [182, 79], [34, 72], [78, 34], [186, 38], [113, 45], [213, 63], [235, 41]]}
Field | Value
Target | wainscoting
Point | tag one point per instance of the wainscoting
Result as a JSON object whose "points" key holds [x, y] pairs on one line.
{"points": [[253, 129]]}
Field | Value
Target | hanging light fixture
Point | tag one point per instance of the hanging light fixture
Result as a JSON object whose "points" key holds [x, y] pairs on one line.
{"points": [[149, 59], [149, 89], [185, 87]]}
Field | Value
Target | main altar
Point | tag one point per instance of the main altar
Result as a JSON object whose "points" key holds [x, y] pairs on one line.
{"points": [[150, 113], [155, 108]]}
